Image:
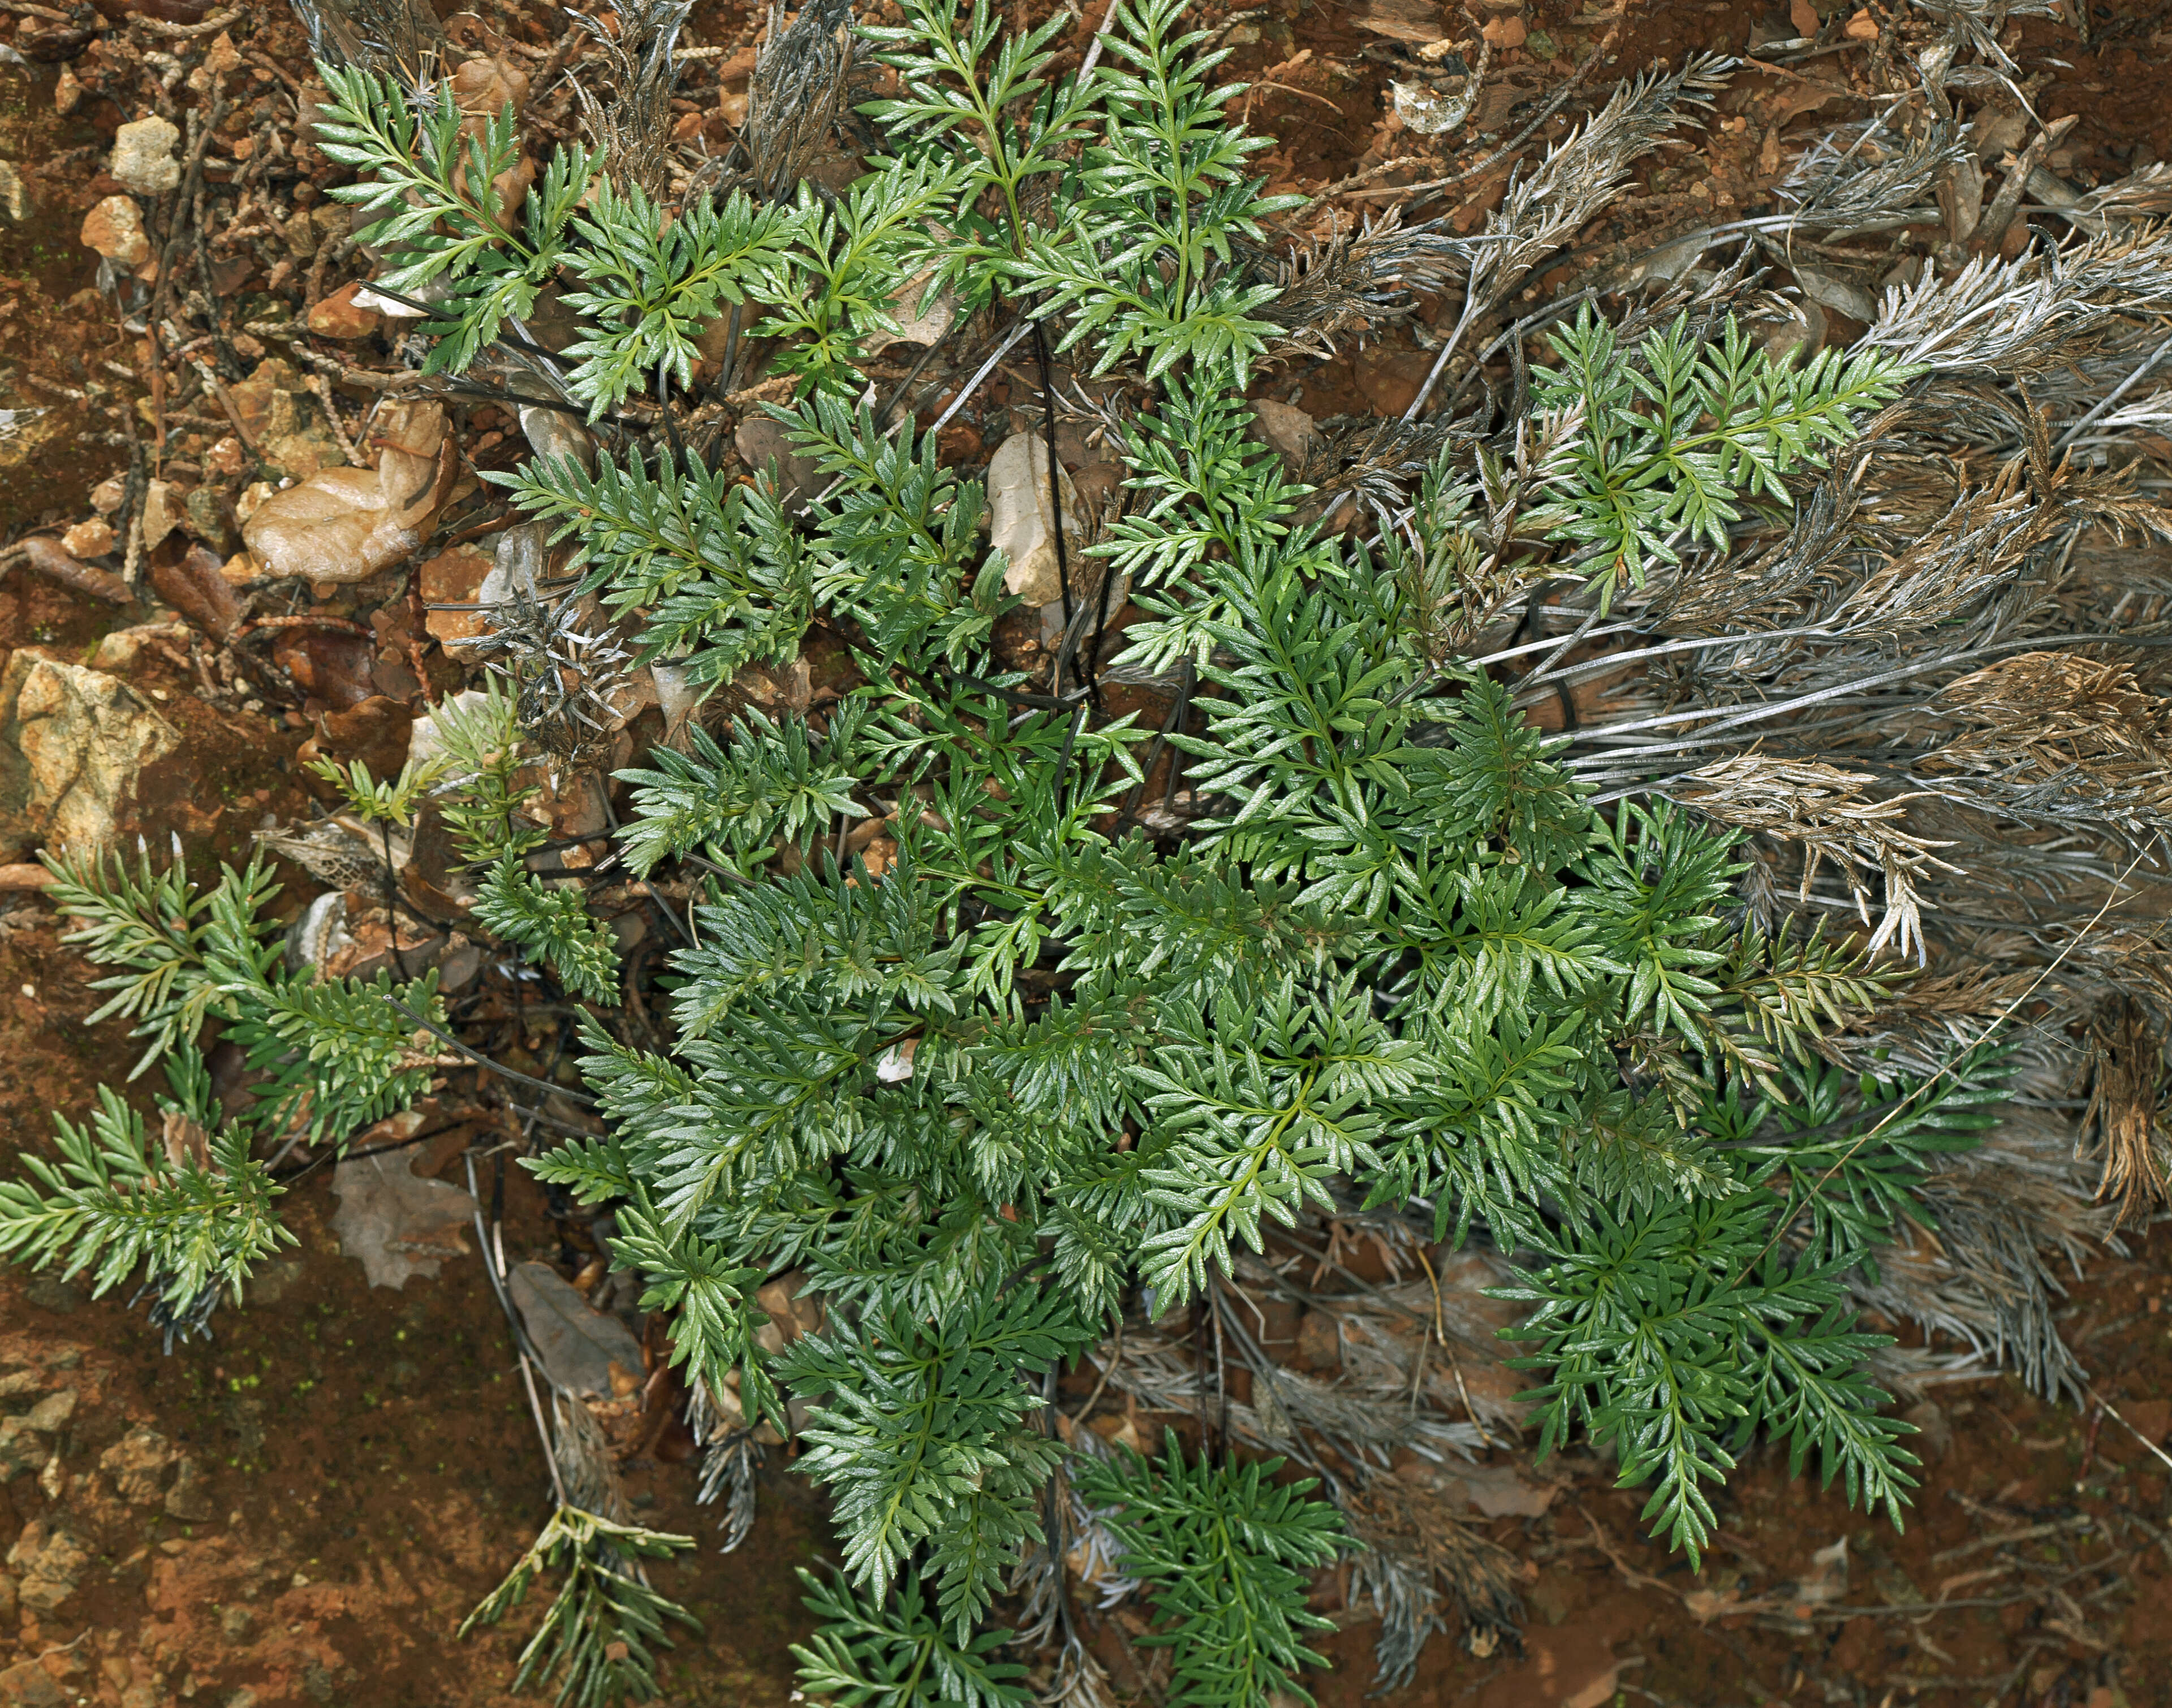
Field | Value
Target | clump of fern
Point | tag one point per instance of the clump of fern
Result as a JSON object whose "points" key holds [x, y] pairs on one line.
{"points": [[193, 1207], [1034, 1067]]}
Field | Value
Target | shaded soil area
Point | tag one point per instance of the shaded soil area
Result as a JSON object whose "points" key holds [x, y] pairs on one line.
{"points": [[302, 1509]]}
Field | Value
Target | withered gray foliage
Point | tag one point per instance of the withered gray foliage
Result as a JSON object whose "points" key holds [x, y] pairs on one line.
{"points": [[798, 91], [630, 114]]}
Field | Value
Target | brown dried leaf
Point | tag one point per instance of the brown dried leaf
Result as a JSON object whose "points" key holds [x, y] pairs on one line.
{"points": [[584, 1351], [397, 1224]]}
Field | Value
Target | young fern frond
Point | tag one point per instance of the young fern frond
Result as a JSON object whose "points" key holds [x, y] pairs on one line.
{"points": [[190, 1207], [1222, 1551], [375, 802], [651, 292], [599, 1636], [481, 795], [552, 924], [890, 1651]]}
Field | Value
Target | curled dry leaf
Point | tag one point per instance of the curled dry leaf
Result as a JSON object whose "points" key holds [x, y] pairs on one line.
{"points": [[347, 524]]}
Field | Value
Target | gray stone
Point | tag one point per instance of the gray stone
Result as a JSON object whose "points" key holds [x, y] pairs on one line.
{"points": [[190, 1498]]}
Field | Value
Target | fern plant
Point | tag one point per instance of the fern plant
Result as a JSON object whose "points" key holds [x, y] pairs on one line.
{"points": [[1222, 1551], [1035, 1067], [193, 1207]]}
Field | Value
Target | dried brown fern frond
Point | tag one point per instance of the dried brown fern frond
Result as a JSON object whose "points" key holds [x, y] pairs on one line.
{"points": [[401, 37], [1360, 279], [2027, 316], [1372, 460], [1975, 25], [2004, 1215], [1419, 1546], [633, 119], [1465, 571], [1871, 176], [1827, 811], [1547, 206], [2142, 195], [2046, 710], [2126, 1060], [797, 91]]}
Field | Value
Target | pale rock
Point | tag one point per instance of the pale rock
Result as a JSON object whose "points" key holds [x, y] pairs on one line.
{"points": [[426, 740], [393, 309], [115, 228], [1426, 111], [344, 525], [94, 538], [676, 696], [460, 966], [163, 510], [143, 156], [109, 494], [14, 195], [516, 566], [123, 650], [555, 434], [138, 1463], [73, 743], [252, 498], [1021, 522]]}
